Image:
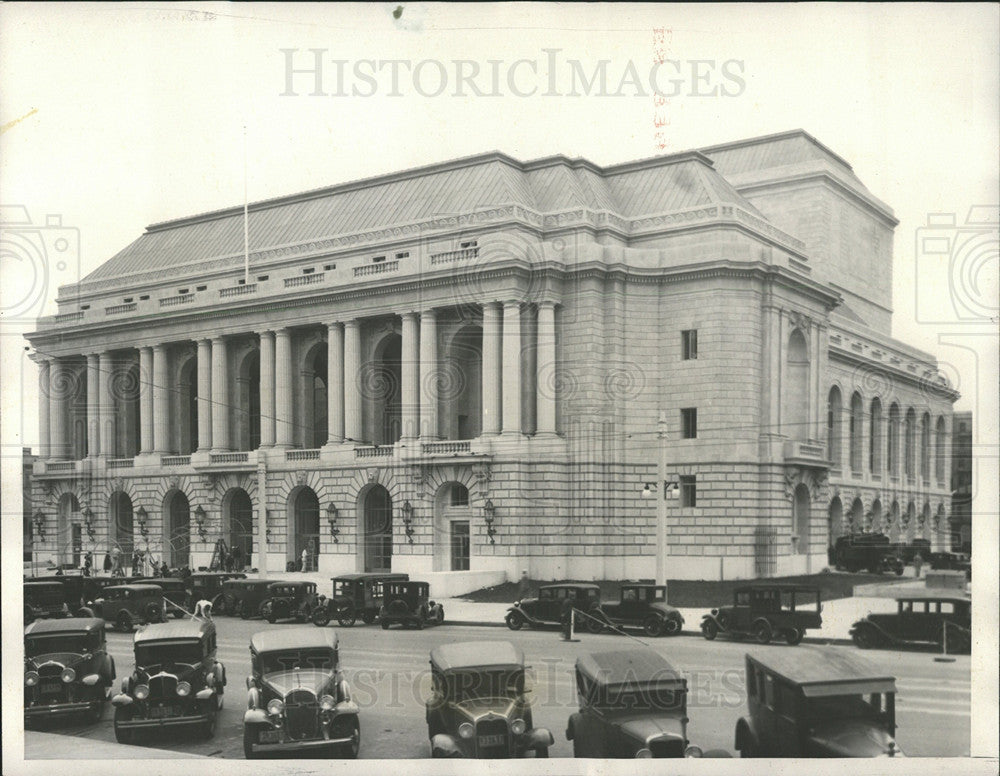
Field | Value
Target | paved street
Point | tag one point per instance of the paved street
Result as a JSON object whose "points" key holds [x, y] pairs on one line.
{"points": [[388, 674]]}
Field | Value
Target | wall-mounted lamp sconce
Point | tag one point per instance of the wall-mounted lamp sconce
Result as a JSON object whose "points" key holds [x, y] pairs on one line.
{"points": [[489, 515], [408, 520], [670, 490], [332, 515], [88, 522], [39, 521], [140, 515], [199, 517]]}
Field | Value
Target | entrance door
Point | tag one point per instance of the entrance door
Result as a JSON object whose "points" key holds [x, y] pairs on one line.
{"points": [[307, 527], [459, 545], [378, 531], [77, 544]]}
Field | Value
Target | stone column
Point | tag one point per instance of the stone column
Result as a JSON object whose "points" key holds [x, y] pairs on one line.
{"points": [[352, 367], [161, 400], [204, 396], [220, 396], [283, 409], [511, 368], [95, 419], [491, 368], [410, 376], [546, 369], [59, 390], [267, 388], [146, 400], [106, 405], [335, 383], [44, 396], [428, 376]]}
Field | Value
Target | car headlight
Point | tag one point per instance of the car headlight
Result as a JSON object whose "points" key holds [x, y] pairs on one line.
{"points": [[644, 754], [31, 678], [141, 691], [327, 702], [465, 730], [275, 707], [693, 751], [518, 726], [68, 675], [183, 689]]}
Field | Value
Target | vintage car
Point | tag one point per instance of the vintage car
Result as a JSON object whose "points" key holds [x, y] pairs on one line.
{"points": [[632, 704], [871, 551], [547, 608], [177, 682], [644, 606], [243, 597], [354, 595], [77, 589], [479, 706], [67, 669], [817, 703], [125, 606], [43, 600], [207, 586], [298, 699], [921, 617], [177, 598], [765, 610], [289, 601], [951, 561], [408, 603]]}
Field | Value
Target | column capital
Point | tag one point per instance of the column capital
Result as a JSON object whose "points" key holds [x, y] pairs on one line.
{"points": [[511, 303], [353, 323], [429, 312], [548, 304], [335, 325], [284, 331]]}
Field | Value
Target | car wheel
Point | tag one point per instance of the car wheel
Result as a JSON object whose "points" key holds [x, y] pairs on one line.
{"points": [[124, 622], [672, 626], [350, 750], [219, 605], [123, 735], [440, 615], [86, 611], [242, 610], [347, 621], [385, 624], [749, 748], [249, 739], [419, 622], [594, 623], [865, 637], [368, 618], [762, 631], [654, 626], [321, 617], [709, 629], [515, 620], [793, 636]]}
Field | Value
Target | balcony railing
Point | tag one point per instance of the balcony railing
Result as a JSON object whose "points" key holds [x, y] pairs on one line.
{"points": [[56, 467], [373, 451], [121, 463], [302, 455], [74, 316], [808, 453], [304, 280], [228, 457], [170, 301], [466, 254], [175, 460], [249, 288], [446, 448], [376, 269], [117, 309]]}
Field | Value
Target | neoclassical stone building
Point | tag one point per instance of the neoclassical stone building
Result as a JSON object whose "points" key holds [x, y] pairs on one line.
{"points": [[460, 369]]}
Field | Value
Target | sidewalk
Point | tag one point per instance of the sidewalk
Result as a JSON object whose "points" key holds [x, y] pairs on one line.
{"points": [[53, 746]]}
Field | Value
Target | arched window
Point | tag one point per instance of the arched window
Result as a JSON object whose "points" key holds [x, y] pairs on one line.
{"points": [[875, 438], [925, 447], [795, 400], [834, 410], [940, 440], [893, 448], [801, 514], [248, 414], [857, 411], [909, 442]]}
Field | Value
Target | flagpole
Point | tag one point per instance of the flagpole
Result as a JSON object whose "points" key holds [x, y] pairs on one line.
{"points": [[246, 215]]}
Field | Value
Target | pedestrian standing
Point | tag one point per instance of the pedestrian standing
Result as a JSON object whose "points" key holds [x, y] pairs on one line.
{"points": [[116, 562], [566, 616], [305, 559], [88, 563], [523, 586], [918, 562], [237, 559], [107, 563]]}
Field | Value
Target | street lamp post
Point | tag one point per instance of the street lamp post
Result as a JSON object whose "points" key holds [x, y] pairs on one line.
{"points": [[661, 503]]}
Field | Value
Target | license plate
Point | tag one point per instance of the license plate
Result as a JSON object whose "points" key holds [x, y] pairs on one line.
{"points": [[497, 740], [158, 712], [51, 688], [270, 736]]}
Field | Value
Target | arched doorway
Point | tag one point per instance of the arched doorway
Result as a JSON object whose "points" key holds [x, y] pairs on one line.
{"points": [[801, 513], [305, 524], [381, 382], [452, 528], [69, 536], [911, 522], [925, 528], [377, 538], [857, 516], [834, 416], [178, 529], [894, 522], [876, 525], [122, 526], [238, 516]]}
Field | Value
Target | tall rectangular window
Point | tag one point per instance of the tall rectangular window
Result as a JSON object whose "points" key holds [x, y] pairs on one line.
{"points": [[689, 423], [689, 492], [689, 344]]}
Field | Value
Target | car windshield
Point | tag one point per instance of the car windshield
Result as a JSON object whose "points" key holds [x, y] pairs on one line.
{"points": [[344, 588], [62, 642], [148, 655], [469, 685], [286, 660], [838, 707], [645, 699]]}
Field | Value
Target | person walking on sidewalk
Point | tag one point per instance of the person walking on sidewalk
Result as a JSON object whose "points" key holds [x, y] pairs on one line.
{"points": [[523, 587], [566, 616], [918, 563]]}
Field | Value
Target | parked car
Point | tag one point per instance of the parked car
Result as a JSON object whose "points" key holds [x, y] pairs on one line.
{"points": [[77, 589], [763, 610], [298, 698], [546, 609], [814, 703], [408, 603], [633, 703], [909, 550], [67, 668], [952, 561], [176, 683], [644, 606], [479, 705], [354, 595], [43, 600], [871, 551], [207, 586], [177, 598], [243, 597], [289, 600], [921, 617], [125, 606]]}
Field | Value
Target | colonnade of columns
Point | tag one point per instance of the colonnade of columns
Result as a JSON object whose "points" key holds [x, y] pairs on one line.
{"points": [[502, 346]]}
